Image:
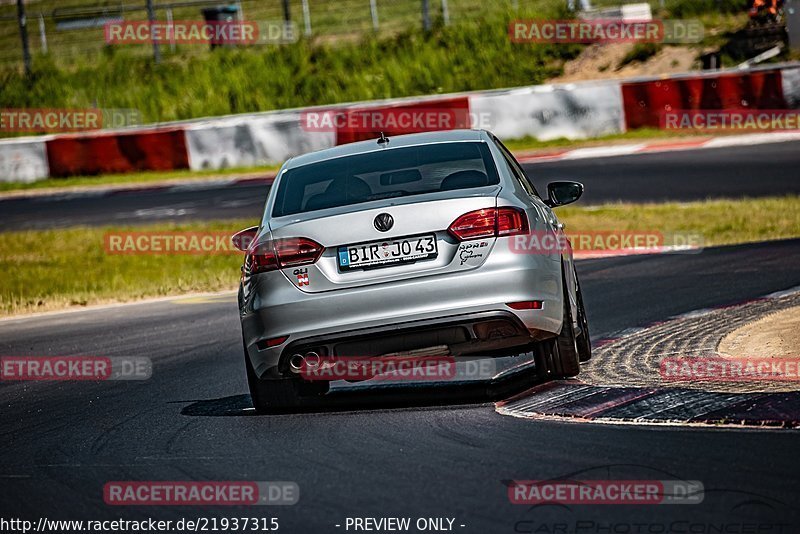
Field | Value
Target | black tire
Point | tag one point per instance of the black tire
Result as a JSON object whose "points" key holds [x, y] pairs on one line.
{"points": [[281, 394], [270, 395], [566, 344], [557, 358], [584, 343]]}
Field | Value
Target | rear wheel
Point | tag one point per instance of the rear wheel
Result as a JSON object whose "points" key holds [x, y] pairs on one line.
{"points": [[558, 357], [584, 343]]}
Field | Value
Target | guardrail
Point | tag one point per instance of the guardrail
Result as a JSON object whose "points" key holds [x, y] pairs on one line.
{"points": [[573, 111]]}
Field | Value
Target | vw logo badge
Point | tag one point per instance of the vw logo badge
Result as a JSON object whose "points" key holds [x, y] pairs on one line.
{"points": [[384, 222]]}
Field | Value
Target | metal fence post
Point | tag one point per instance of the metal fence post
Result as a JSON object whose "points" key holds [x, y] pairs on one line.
{"points": [[373, 10], [426, 15], [172, 30], [151, 16], [239, 12], [306, 18], [445, 13], [287, 13], [23, 34], [42, 34]]}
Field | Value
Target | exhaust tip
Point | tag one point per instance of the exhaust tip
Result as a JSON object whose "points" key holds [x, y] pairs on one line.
{"points": [[296, 362], [309, 361], [312, 360]]}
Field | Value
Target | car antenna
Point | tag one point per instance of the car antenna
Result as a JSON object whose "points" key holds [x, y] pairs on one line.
{"points": [[383, 140]]}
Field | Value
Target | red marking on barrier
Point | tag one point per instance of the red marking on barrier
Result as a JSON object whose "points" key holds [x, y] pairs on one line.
{"points": [[91, 154], [553, 154], [645, 102], [455, 110], [675, 145]]}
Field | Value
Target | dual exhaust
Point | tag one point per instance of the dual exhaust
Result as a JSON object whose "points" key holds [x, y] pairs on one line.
{"points": [[310, 361]]}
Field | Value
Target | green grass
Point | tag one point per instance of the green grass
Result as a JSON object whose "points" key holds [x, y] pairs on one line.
{"points": [[344, 61], [720, 222], [54, 269], [639, 53], [337, 19], [459, 57]]}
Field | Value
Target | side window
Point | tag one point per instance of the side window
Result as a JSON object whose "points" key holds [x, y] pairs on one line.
{"points": [[516, 170]]}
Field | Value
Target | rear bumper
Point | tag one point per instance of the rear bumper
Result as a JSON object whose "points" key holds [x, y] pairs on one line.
{"points": [[418, 310]]}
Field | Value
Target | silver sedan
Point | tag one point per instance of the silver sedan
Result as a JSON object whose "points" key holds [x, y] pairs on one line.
{"points": [[419, 245]]}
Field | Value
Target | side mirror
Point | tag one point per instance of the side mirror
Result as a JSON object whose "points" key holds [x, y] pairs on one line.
{"points": [[242, 240], [563, 193]]}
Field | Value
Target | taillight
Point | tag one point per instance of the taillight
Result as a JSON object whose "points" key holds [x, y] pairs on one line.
{"points": [[489, 222], [280, 253]]}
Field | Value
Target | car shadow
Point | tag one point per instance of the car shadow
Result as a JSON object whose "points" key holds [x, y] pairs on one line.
{"points": [[364, 398]]}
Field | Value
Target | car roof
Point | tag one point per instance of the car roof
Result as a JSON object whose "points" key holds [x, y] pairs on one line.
{"points": [[399, 141]]}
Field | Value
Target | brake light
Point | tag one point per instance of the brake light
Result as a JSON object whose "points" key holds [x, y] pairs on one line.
{"points": [[281, 253], [489, 222]]}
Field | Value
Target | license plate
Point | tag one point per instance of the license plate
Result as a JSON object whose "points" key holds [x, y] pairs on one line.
{"points": [[389, 252]]}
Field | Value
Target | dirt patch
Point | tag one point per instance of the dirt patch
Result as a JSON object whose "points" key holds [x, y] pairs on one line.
{"points": [[603, 61], [775, 336]]}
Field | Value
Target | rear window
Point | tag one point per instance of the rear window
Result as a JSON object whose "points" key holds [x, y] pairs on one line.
{"points": [[390, 173]]}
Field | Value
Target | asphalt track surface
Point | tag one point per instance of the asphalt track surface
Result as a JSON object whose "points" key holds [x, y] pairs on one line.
{"points": [[411, 458], [743, 171]]}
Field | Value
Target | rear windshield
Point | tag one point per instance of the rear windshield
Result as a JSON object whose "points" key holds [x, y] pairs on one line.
{"points": [[382, 174]]}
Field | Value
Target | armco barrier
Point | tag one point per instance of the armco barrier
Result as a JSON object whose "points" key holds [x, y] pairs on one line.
{"points": [[645, 102], [574, 111], [245, 141], [24, 160], [791, 87], [359, 123], [120, 152]]}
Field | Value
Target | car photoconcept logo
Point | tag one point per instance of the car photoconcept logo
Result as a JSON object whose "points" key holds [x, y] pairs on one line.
{"points": [[384, 222]]}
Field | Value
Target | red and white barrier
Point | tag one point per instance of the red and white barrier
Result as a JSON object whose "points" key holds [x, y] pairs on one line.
{"points": [[158, 149], [645, 102], [250, 140], [571, 111], [545, 112], [24, 159]]}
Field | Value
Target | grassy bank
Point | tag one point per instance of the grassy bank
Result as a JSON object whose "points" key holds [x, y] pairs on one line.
{"points": [[462, 57], [54, 269], [474, 52]]}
